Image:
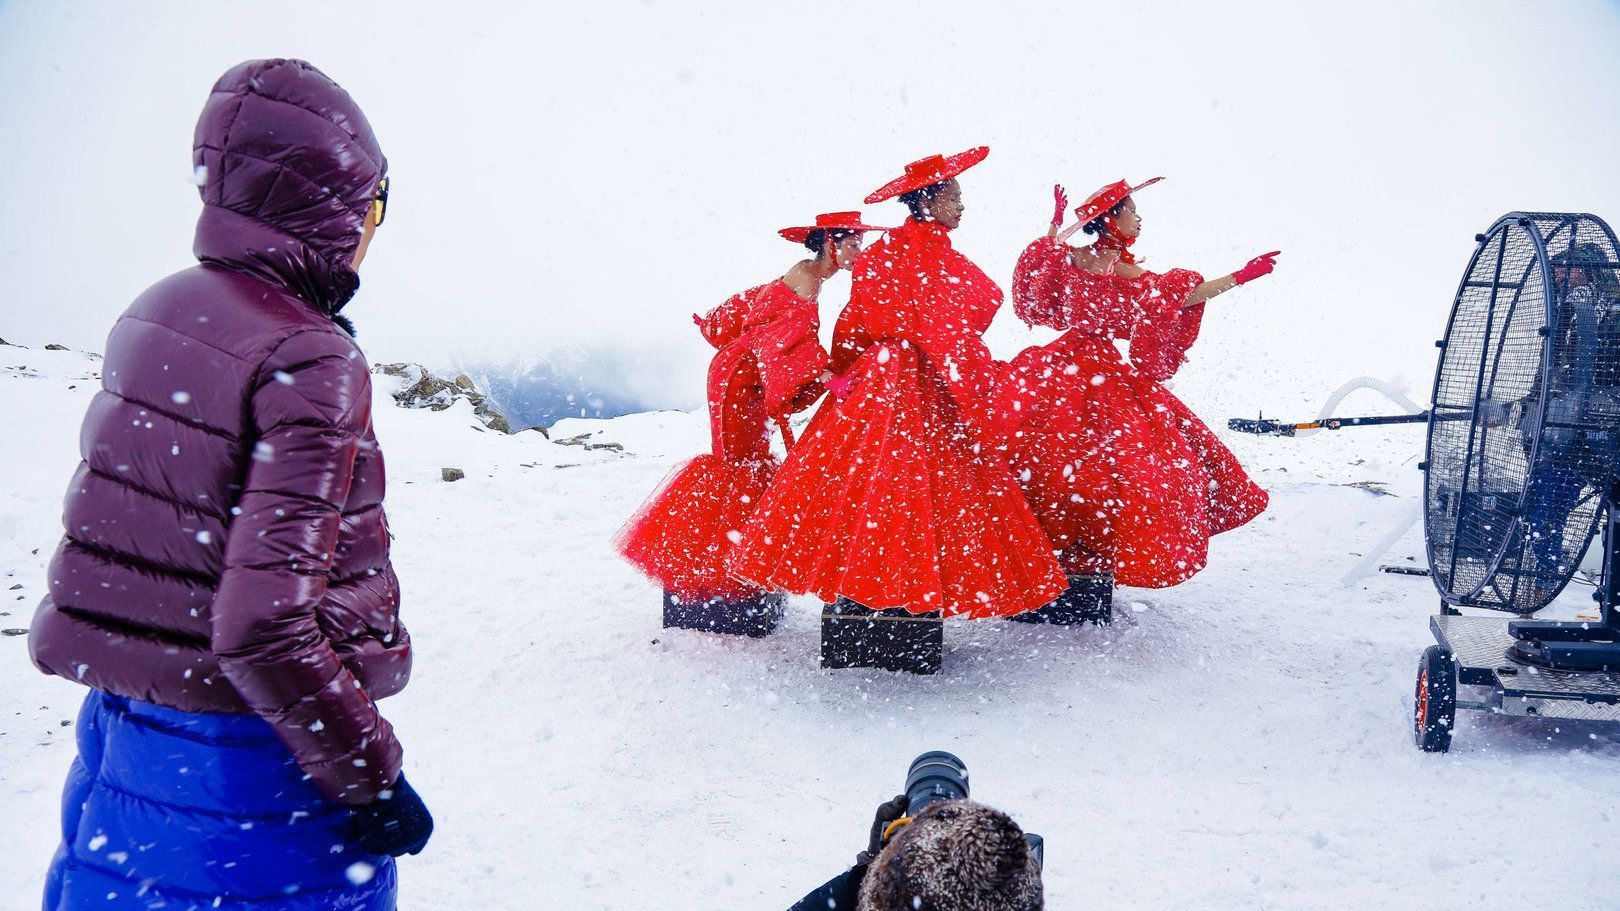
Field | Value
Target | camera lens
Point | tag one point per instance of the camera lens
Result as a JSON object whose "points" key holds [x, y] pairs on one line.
{"points": [[1037, 846], [935, 775]]}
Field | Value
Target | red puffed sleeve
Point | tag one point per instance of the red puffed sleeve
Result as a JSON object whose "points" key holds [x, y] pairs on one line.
{"points": [[1167, 328], [946, 327], [1037, 284], [783, 339], [725, 323]]}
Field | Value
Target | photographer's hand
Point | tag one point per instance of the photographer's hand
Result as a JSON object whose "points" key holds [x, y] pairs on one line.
{"points": [[886, 815]]}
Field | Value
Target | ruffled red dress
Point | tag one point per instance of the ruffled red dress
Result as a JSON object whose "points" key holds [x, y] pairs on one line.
{"points": [[768, 365], [895, 496], [1123, 477]]}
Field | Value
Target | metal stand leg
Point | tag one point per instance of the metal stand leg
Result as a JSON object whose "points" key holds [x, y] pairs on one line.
{"points": [[1611, 522]]}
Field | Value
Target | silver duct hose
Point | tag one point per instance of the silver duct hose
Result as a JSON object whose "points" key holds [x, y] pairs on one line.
{"points": [[1361, 382], [1369, 563]]}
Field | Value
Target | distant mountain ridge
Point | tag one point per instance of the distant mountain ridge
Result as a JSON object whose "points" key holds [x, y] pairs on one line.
{"points": [[570, 382]]}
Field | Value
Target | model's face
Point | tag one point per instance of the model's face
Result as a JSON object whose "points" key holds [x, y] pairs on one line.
{"points": [[946, 207], [846, 249], [1127, 222]]}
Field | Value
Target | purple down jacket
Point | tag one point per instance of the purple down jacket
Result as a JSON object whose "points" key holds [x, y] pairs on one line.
{"points": [[226, 549]]}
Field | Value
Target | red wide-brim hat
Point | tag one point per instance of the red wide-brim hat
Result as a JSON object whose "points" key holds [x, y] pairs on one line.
{"points": [[1098, 203], [928, 171], [830, 221]]}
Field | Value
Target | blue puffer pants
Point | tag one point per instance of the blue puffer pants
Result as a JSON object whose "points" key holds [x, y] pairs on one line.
{"points": [[178, 811]]}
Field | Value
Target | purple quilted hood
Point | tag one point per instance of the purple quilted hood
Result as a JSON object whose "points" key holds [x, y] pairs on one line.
{"points": [[288, 167]]}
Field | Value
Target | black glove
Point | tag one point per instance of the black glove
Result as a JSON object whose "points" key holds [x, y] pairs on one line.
{"points": [[396, 823], [886, 814]]}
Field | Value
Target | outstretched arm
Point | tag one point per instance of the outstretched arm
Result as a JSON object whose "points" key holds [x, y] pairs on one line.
{"points": [[1212, 288], [1255, 268]]}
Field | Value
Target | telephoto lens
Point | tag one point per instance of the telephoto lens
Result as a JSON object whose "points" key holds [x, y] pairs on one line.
{"points": [[935, 775]]}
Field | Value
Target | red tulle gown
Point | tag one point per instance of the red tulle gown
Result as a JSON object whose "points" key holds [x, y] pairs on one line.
{"points": [[890, 499], [1123, 476], [768, 365]]}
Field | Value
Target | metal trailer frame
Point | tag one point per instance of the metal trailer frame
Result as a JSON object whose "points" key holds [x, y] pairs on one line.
{"points": [[1477, 648]]}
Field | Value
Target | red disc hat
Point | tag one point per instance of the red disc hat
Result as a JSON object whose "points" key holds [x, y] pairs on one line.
{"points": [[830, 221], [928, 171], [1098, 203]]}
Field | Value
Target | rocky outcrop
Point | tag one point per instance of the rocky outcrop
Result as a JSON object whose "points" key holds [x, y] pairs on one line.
{"points": [[582, 440], [53, 346], [422, 389]]}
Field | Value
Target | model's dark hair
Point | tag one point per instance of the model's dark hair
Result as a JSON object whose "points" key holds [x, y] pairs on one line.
{"points": [[817, 240], [917, 200], [1099, 224]]}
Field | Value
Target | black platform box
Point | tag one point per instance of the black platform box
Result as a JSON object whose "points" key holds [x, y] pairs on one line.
{"points": [[1088, 599], [854, 635], [754, 617]]}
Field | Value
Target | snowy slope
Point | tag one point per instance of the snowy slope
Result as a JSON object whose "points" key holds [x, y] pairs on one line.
{"points": [[1238, 742]]}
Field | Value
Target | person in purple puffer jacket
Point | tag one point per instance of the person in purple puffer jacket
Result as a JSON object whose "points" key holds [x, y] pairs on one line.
{"points": [[224, 586]]}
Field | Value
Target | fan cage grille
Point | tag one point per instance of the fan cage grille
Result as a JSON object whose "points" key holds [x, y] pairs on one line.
{"points": [[1526, 408]]}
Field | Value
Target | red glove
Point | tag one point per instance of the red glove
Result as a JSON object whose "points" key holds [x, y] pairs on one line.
{"points": [[697, 320], [1260, 265], [1062, 204], [840, 386]]}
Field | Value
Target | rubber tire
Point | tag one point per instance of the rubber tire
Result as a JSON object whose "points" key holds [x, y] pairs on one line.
{"points": [[1434, 713]]}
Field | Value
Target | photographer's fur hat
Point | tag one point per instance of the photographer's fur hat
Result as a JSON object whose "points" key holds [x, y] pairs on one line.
{"points": [[956, 855]]}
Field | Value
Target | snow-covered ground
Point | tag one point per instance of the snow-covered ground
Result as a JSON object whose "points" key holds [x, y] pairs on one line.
{"points": [[1237, 742]]}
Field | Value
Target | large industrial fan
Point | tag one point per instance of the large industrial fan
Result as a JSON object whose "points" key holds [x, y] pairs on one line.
{"points": [[1522, 465]]}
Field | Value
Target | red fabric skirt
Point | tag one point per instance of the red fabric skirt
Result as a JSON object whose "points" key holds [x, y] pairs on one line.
{"points": [[887, 500], [681, 536], [1123, 477]]}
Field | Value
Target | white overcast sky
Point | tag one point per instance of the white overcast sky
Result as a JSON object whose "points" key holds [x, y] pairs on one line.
{"points": [[589, 174]]}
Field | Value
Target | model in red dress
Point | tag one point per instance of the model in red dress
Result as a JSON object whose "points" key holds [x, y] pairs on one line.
{"points": [[769, 364], [1125, 479], [895, 498]]}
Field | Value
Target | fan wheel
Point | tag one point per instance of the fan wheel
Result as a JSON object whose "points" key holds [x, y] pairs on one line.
{"points": [[1434, 704]]}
